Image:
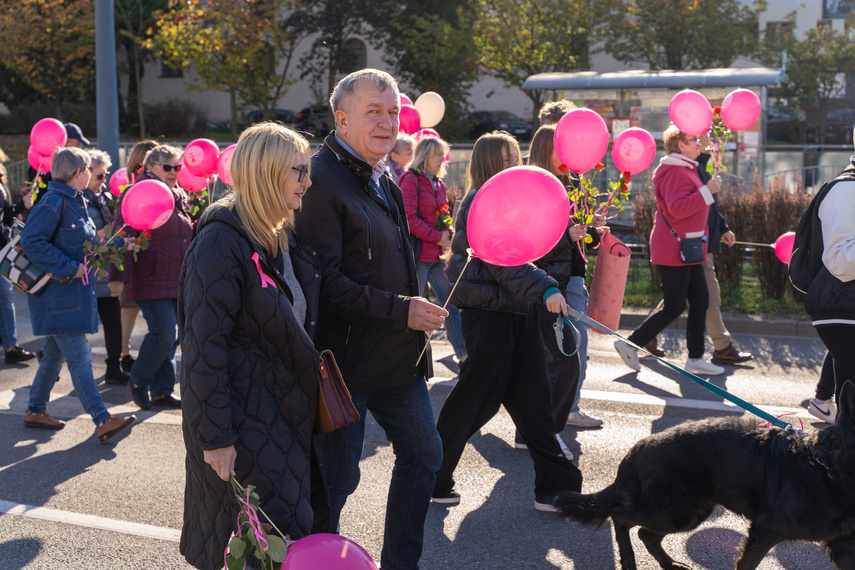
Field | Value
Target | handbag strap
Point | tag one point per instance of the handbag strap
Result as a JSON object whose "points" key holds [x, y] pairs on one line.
{"points": [[661, 213], [59, 223]]}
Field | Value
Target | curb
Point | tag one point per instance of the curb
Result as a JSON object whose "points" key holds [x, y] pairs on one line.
{"points": [[632, 317]]}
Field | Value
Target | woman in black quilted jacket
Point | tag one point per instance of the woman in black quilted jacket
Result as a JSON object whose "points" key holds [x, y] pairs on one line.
{"points": [[248, 303]]}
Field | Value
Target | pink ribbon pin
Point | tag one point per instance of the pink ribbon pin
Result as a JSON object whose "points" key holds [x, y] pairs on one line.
{"points": [[264, 278]]}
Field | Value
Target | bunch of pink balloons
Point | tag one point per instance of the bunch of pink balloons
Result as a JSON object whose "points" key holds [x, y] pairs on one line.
{"points": [[46, 136], [581, 139], [147, 205], [327, 552], [190, 181], [517, 216]]}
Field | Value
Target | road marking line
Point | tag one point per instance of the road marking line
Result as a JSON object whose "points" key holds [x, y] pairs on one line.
{"points": [[90, 521]]}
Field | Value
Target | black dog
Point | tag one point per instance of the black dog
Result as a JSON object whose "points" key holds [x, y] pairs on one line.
{"points": [[789, 487]]}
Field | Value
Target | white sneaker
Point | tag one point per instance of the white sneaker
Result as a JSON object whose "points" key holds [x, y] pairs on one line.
{"points": [[520, 445], [703, 366], [567, 453], [583, 420], [822, 409], [628, 354]]}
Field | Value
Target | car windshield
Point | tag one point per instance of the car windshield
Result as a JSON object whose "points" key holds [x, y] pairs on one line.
{"points": [[505, 116]]}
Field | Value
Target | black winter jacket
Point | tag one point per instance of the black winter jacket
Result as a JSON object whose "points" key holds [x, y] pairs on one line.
{"points": [[368, 273], [249, 378], [717, 224], [829, 301], [492, 287]]}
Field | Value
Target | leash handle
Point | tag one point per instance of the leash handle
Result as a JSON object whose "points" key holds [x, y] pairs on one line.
{"points": [[698, 380], [558, 327]]}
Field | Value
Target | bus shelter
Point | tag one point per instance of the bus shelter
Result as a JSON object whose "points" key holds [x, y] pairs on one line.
{"points": [[640, 98]]}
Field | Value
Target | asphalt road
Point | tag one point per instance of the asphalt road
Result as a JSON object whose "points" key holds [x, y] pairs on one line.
{"points": [[70, 502]]}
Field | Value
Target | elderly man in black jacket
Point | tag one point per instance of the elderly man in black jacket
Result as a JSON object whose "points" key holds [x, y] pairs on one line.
{"points": [[371, 316]]}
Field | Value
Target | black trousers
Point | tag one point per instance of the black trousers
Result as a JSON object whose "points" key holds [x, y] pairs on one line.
{"points": [[506, 366], [839, 340], [563, 370], [110, 313], [679, 284]]}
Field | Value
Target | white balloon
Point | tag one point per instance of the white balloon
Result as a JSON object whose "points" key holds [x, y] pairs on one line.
{"points": [[431, 108]]}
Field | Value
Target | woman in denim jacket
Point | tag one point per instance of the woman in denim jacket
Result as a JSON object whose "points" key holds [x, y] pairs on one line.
{"points": [[65, 311]]}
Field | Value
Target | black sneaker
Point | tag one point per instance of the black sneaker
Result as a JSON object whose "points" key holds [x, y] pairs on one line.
{"points": [[450, 498], [139, 394], [127, 362], [17, 354]]}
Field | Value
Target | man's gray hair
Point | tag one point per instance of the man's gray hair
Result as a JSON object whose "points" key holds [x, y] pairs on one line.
{"points": [[67, 161], [347, 85], [100, 158]]}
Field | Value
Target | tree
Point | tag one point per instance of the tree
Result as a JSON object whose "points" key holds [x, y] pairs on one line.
{"points": [[682, 34], [334, 21], [430, 47], [50, 45], [134, 19], [243, 47], [518, 38]]}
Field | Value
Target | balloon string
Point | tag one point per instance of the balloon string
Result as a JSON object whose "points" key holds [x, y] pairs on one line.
{"points": [[755, 244], [468, 259], [284, 537]]}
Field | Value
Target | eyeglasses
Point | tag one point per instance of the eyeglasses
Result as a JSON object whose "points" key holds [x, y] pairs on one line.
{"points": [[303, 169], [170, 167], [692, 140], [101, 176]]}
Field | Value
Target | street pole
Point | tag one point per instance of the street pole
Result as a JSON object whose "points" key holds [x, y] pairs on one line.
{"points": [[106, 88]]}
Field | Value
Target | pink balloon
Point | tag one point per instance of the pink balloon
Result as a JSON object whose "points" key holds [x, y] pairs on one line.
{"points": [[691, 112], [200, 157], [190, 181], [327, 552], [740, 109], [37, 161], [406, 100], [633, 150], [784, 246], [517, 216], [47, 135], [581, 139], [147, 205], [410, 119], [224, 163], [426, 133], [118, 180]]}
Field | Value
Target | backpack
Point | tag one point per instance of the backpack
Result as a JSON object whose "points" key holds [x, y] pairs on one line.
{"points": [[806, 261]]}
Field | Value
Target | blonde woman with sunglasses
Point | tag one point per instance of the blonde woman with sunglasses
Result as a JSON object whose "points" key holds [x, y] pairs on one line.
{"points": [[152, 281]]}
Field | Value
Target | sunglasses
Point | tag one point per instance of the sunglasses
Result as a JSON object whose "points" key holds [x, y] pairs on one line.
{"points": [[170, 167], [303, 169], [101, 176]]}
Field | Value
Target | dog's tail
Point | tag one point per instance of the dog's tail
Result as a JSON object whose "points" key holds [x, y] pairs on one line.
{"points": [[593, 509]]}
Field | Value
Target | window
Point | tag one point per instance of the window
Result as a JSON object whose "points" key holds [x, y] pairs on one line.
{"points": [[353, 57], [826, 23], [166, 71]]}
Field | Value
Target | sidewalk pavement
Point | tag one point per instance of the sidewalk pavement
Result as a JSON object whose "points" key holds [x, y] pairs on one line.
{"points": [[632, 317]]}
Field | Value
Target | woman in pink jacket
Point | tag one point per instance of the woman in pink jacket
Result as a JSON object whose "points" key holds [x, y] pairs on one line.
{"points": [[683, 203], [426, 203]]}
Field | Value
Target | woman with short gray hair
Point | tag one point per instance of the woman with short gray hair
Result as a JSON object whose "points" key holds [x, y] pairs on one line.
{"points": [[65, 311]]}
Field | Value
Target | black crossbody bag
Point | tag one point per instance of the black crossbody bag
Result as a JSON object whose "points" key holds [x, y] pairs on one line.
{"points": [[691, 249]]}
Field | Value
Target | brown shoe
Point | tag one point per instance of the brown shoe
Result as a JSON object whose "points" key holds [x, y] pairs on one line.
{"points": [[42, 420], [730, 355], [653, 348], [113, 425]]}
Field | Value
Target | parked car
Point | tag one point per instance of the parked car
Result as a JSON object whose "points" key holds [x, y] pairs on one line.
{"points": [[485, 121], [313, 121], [283, 116]]}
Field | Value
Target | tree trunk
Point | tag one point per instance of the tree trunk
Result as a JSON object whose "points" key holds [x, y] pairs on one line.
{"points": [[138, 78], [233, 114]]}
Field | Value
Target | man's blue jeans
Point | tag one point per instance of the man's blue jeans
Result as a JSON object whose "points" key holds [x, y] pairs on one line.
{"points": [[434, 273], [405, 414], [155, 364], [576, 296], [74, 350], [8, 325]]}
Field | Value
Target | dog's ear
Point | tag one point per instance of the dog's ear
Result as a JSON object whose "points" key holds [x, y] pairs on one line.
{"points": [[846, 406]]}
